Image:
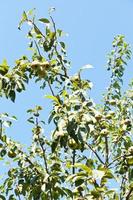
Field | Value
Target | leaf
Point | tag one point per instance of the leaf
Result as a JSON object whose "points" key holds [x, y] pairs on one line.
{"points": [[4, 67], [7, 124], [79, 181], [12, 95], [83, 167], [38, 108], [13, 118], [37, 31], [95, 194], [31, 120], [4, 63], [88, 66], [19, 86], [69, 192], [31, 12], [4, 138], [24, 18], [3, 153], [108, 174], [52, 98], [70, 177], [44, 20], [50, 117], [30, 111], [54, 145], [62, 45], [2, 197]]}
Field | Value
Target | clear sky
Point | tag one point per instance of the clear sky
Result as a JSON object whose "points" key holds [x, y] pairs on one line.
{"points": [[91, 25]]}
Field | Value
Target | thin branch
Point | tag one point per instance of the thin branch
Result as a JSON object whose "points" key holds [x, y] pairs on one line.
{"points": [[121, 186], [73, 160], [62, 75], [42, 147], [50, 87], [129, 194], [39, 172], [38, 49], [1, 127], [35, 26], [118, 158], [19, 197], [30, 162], [96, 154], [53, 25], [106, 151], [45, 163], [55, 47], [44, 157]]}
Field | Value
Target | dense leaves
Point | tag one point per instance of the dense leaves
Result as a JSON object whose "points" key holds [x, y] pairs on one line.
{"points": [[89, 154]]}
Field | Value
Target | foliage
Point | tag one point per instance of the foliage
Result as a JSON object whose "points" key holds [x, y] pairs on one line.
{"points": [[90, 152]]}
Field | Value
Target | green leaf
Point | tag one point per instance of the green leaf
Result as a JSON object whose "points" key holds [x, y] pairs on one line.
{"points": [[24, 16], [109, 174], [3, 153], [54, 145], [2, 197], [7, 124], [62, 45], [4, 67], [12, 95], [54, 98], [37, 31], [23, 19], [44, 20], [95, 193], [31, 12], [83, 167], [4, 63]]}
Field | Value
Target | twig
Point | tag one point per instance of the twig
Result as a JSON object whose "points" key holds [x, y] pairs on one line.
{"points": [[30, 162], [38, 49], [55, 47], [44, 157], [129, 194], [96, 154], [73, 160], [121, 186], [42, 147], [50, 88], [106, 151], [62, 75], [35, 26], [19, 197], [119, 157], [1, 128]]}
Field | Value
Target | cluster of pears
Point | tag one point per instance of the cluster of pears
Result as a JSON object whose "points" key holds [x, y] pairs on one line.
{"points": [[40, 68]]}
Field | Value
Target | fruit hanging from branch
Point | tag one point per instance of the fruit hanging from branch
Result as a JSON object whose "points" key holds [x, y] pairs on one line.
{"points": [[40, 68]]}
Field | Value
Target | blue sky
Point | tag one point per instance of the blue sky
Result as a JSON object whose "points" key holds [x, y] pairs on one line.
{"points": [[91, 25]]}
